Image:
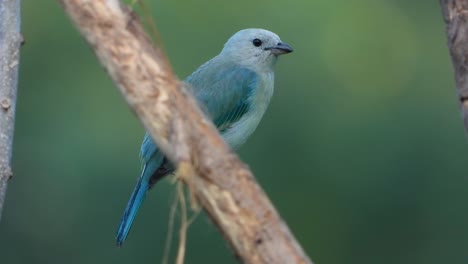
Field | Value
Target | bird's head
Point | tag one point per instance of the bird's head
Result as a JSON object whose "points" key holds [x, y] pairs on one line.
{"points": [[255, 48]]}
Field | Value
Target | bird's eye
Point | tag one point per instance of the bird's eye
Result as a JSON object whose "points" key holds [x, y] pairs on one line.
{"points": [[256, 42]]}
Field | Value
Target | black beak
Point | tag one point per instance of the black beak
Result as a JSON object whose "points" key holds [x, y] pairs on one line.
{"points": [[280, 48]]}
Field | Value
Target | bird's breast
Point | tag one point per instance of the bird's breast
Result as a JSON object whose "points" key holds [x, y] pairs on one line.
{"points": [[238, 133]]}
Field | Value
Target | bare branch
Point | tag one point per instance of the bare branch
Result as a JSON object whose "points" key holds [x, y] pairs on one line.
{"points": [[217, 178], [456, 20], [10, 42]]}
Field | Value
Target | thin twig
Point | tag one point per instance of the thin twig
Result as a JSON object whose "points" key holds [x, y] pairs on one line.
{"points": [[183, 224], [10, 42], [170, 229], [152, 24]]}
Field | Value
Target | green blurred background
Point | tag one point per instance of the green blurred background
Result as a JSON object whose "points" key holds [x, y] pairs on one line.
{"points": [[362, 150]]}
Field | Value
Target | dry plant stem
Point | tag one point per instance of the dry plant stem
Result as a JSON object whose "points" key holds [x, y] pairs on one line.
{"points": [[183, 225], [219, 181], [10, 42], [455, 14], [170, 230]]}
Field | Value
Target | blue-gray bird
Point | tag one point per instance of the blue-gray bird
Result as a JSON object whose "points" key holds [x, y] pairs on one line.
{"points": [[233, 89]]}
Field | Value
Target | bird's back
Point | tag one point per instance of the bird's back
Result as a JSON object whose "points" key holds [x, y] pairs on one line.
{"points": [[233, 96]]}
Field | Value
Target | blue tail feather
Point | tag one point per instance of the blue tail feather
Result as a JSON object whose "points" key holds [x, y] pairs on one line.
{"points": [[138, 196], [133, 205], [152, 160]]}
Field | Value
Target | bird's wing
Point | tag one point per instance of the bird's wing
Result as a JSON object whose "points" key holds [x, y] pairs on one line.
{"points": [[148, 148], [223, 91]]}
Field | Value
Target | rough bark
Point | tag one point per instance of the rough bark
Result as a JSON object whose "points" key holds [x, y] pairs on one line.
{"points": [[219, 181], [10, 42], [455, 14]]}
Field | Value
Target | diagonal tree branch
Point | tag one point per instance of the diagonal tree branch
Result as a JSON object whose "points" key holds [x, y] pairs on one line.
{"points": [[10, 42], [223, 185], [455, 14]]}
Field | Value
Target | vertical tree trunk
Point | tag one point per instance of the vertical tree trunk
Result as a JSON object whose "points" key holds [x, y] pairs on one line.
{"points": [[455, 14], [10, 42]]}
